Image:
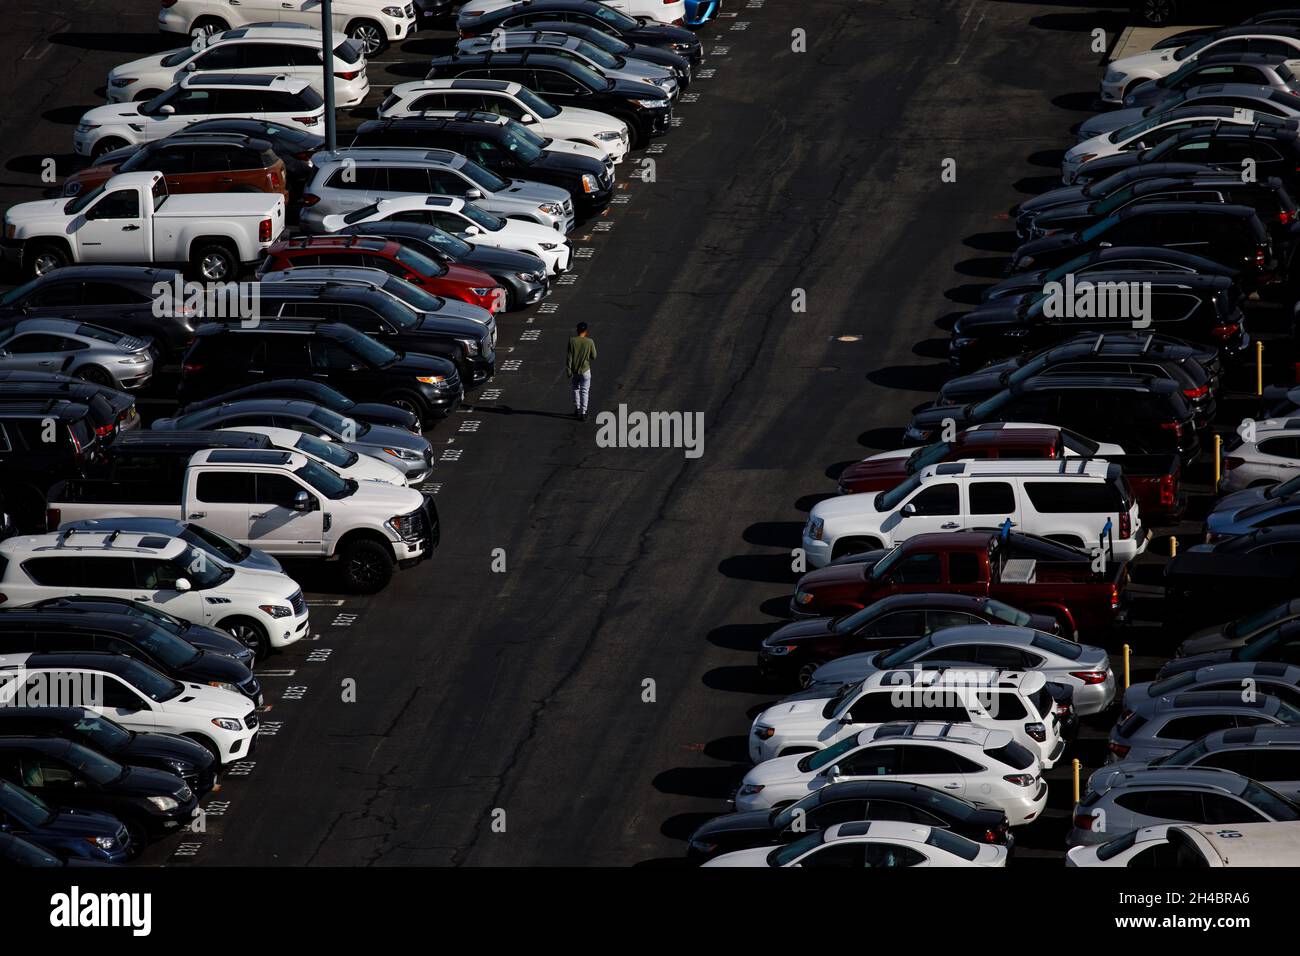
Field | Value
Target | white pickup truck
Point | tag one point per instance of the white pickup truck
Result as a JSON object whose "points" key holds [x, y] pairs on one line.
{"points": [[279, 501], [131, 219]]}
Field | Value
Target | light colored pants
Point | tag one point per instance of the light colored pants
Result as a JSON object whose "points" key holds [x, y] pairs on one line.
{"points": [[581, 386]]}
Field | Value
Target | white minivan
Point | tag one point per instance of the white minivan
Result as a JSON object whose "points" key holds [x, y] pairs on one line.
{"points": [[1085, 503]]}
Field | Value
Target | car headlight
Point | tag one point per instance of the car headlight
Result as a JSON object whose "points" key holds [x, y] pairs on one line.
{"points": [[815, 528], [780, 650], [397, 13], [228, 723], [664, 82], [749, 789], [802, 597], [652, 104], [548, 246], [164, 804], [589, 183], [961, 342], [1084, 158], [608, 136], [764, 732], [275, 610], [1024, 263], [1114, 76], [118, 82], [86, 127], [528, 276], [104, 843], [403, 453], [224, 685], [552, 208], [471, 346], [180, 767], [437, 381], [402, 525]]}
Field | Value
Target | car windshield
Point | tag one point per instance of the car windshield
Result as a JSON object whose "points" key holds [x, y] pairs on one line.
{"points": [[889, 500], [96, 766], [218, 544], [614, 18], [1194, 48], [1114, 201], [610, 44], [792, 851], [419, 262], [1183, 757], [155, 104], [1270, 802], [1013, 754], [520, 146], [413, 296], [482, 218], [1280, 490], [536, 104], [74, 206], [837, 705], [336, 423], [177, 57], [326, 451], [852, 622], [987, 409], [824, 758], [1125, 133], [454, 246], [327, 482], [168, 648], [928, 455], [588, 77], [781, 819], [1012, 615], [201, 569], [1098, 228], [1170, 684], [482, 178], [1117, 846], [27, 808], [954, 844], [901, 655], [14, 295], [104, 733], [154, 685], [884, 564], [1262, 644], [1055, 645], [598, 56]]}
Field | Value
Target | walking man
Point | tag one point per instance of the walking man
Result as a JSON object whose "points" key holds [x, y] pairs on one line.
{"points": [[577, 365]]}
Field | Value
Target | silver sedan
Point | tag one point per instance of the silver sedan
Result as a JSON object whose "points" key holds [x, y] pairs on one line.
{"points": [[96, 355]]}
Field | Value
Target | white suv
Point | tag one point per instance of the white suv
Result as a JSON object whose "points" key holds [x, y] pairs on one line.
{"points": [[372, 23], [279, 49], [444, 97], [1074, 501], [161, 572], [1015, 701], [983, 766], [200, 96], [134, 695]]}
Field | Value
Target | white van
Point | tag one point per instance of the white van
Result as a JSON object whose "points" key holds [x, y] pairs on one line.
{"points": [[1083, 503]]}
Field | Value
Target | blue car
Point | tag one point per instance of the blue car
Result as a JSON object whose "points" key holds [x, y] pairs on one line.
{"points": [[17, 852], [217, 545], [700, 12], [87, 834]]}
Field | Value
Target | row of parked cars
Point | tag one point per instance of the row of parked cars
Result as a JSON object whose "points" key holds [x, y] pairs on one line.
{"points": [[141, 575], [948, 638]]}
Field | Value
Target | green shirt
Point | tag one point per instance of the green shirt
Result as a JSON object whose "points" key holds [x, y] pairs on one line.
{"points": [[582, 351]]}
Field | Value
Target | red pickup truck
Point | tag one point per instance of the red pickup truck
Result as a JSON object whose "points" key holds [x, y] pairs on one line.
{"points": [[1025, 571]]}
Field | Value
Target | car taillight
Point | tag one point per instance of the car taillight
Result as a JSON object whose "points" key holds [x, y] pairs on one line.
{"points": [[1089, 677], [1083, 821], [1125, 526], [1119, 750], [189, 367], [310, 199], [1226, 331], [1167, 497], [101, 431], [275, 180], [1285, 217], [1260, 256], [264, 231], [1037, 730], [990, 836], [351, 75], [1020, 779], [1197, 392], [1174, 426], [53, 518], [1114, 596], [307, 120]]}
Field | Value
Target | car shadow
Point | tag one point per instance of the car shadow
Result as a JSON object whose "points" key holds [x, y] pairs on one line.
{"points": [[762, 568], [139, 43], [913, 378]]}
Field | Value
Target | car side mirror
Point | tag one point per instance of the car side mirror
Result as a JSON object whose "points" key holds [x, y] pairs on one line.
{"points": [[191, 66], [182, 585], [909, 509], [302, 501], [473, 193], [166, 109], [471, 230], [527, 118], [832, 772]]}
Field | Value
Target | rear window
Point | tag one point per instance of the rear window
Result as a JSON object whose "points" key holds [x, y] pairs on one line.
{"points": [[958, 845], [1075, 497], [1057, 645], [1013, 755], [1284, 73], [1115, 847], [1131, 726], [348, 52]]}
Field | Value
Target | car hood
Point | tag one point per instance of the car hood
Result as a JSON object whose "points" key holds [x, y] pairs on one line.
{"points": [[527, 191], [147, 782], [386, 436], [1044, 246], [845, 506], [1210, 640], [845, 670], [381, 416], [840, 575], [928, 419], [1048, 218], [776, 770], [651, 32], [1153, 61], [395, 499], [796, 631], [744, 821], [970, 388], [76, 823], [1238, 501], [568, 147], [205, 702], [755, 856], [217, 641], [587, 119], [417, 363], [491, 259], [455, 309], [1193, 662], [797, 713], [1053, 197], [566, 162], [1106, 122], [38, 211], [146, 64], [89, 178], [149, 746], [636, 89], [112, 113], [368, 468], [885, 469], [214, 667]]}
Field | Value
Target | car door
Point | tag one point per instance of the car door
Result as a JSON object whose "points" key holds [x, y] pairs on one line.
{"points": [[932, 507], [989, 503], [124, 704], [187, 106], [276, 526], [176, 162], [933, 767], [920, 571], [32, 352], [112, 229], [870, 763], [893, 629], [49, 778], [155, 585], [333, 364], [222, 501]]}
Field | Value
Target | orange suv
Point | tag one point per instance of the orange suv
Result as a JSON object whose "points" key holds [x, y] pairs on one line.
{"points": [[217, 164]]}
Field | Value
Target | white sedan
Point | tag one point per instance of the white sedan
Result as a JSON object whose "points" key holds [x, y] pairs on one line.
{"points": [[872, 843], [1150, 132], [1129, 72], [345, 463]]}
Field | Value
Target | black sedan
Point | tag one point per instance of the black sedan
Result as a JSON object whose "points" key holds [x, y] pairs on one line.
{"points": [[372, 413], [849, 801], [151, 803]]}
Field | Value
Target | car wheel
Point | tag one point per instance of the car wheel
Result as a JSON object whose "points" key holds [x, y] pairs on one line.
{"points": [[95, 376], [367, 566], [207, 745], [249, 633], [805, 673], [206, 26], [369, 35], [107, 145], [44, 258], [408, 402], [1155, 12], [214, 263]]}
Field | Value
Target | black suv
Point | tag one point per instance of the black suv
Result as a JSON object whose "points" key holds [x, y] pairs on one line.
{"points": [[121, 298], [357, 365], [1107, 259], [190, 761], [45, 631], [679, 63], [588, 13], [1138, 412], [29, 463], [303, 389], [508, 148], [646, 109], [1205, 309], [464, 342], [151, 803], [1122, 353], [1232, 235], [1275, 150], [522, 274]]}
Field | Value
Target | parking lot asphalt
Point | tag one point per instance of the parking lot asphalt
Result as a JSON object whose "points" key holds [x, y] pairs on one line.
{"points": [[570, 679]]}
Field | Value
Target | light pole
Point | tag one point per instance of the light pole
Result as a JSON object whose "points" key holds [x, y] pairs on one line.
{"points": [[327, 58]]}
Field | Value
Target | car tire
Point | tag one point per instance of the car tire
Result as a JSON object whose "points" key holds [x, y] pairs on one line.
{"points": [[206, 26], [249, 633], [44, 257], [214, 262], [1156, 13], [410, 402], [803, 676], [366, 566], [207, 744], [95, 376], [369, 36], [107, 145]]}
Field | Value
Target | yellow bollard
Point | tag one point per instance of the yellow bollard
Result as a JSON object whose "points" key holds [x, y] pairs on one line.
{"points": [[1127, 652], [1077, 768], [1173, 546], [1218, 459], [1259, 367]]}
